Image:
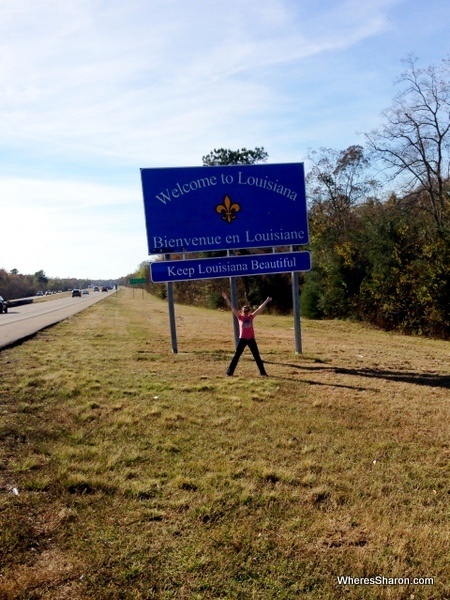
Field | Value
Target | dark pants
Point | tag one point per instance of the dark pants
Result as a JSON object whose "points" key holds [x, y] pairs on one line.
{"points": [[251, 343]]}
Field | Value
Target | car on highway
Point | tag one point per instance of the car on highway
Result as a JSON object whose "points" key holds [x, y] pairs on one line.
{"points": [[3, 305], [85, 292], [40, 293], [76, 293]]}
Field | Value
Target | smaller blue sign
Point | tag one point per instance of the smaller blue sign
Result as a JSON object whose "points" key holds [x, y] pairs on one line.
{"points": [[229, 266]]}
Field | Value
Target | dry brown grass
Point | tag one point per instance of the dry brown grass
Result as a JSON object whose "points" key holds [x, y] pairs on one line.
{"points": [[144, 474]]}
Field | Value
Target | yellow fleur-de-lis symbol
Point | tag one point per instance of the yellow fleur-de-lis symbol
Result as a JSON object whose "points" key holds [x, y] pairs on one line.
{"points": [[228, 209]]}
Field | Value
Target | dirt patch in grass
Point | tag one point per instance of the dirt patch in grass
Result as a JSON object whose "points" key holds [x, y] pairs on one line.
{"points": [[127, 471]]}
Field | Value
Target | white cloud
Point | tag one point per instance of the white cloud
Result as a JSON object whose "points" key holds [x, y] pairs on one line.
{"points": [[69, 227], [108, 78]]}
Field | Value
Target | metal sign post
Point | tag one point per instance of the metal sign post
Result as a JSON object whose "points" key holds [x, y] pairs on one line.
{"points": [[173, 326], [296, 308], [296, 311], [234, 302]]}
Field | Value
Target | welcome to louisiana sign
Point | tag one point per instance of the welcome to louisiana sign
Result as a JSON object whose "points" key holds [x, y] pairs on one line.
{"points": [[203, 209]]}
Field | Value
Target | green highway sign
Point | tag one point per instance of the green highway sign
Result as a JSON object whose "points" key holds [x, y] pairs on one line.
{"points": [[138, 281]]}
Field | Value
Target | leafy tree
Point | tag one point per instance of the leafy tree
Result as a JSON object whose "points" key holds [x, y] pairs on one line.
{"points": [[336, 183], [41, 278], [406, 283], [414, 142], [143, 271], [234, 157]]}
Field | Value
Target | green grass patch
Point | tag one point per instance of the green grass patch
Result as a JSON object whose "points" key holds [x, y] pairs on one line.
{"points": [[127, 471]]}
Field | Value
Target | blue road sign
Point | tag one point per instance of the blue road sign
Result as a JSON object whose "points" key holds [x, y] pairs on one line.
{"points": [[201, 209], [229, 266]]}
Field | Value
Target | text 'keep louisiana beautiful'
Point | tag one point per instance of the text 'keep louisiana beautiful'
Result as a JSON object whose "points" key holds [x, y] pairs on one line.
{"points": [[210, 268]]}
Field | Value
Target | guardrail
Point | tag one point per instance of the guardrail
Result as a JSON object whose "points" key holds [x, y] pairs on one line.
{"points": [[20, 302]]}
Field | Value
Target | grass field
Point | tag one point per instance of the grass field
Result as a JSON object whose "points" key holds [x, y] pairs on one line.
{"points": [[127, 471]]}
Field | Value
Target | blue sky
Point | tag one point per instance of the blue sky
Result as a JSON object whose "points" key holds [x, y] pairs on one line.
{"points": [[93, 90]]}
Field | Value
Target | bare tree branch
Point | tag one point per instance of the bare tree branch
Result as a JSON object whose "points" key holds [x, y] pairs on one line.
{"points": [[413, 143]]}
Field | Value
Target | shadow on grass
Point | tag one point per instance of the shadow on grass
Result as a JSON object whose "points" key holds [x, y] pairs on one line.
{"points": [[427, 379], [357, 388]]}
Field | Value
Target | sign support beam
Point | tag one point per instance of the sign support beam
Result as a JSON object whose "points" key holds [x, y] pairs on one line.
{"points": [[173, 325], [296, 311], [234, 302]]}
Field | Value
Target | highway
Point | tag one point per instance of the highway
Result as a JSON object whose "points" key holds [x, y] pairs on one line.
{"points": [[23, 321]]}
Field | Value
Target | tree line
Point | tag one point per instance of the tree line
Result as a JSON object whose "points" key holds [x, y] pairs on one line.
{"points": [[17, 285], [379, 220], [386, 260]]}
